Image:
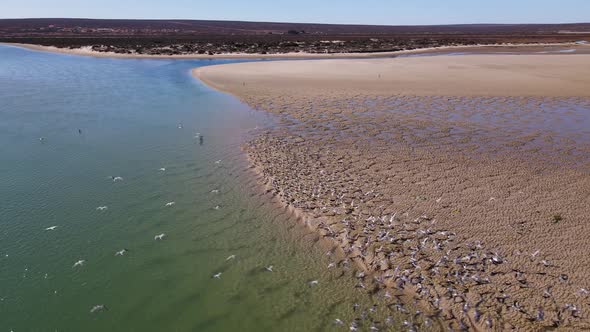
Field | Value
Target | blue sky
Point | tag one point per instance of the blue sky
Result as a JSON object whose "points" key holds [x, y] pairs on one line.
{"points": [[390, 12]]}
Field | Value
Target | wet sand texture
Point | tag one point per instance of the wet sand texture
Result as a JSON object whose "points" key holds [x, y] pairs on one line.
{"points": [[462, 181]]}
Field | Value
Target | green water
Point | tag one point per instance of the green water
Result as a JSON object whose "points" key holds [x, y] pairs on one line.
{"points": [[129, 113]]}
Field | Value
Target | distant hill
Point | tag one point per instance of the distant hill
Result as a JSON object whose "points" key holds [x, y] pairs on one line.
{"points": [[93, 27]]}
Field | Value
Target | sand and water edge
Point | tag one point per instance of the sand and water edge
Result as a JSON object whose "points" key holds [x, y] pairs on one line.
{"points": [[460, 181]]}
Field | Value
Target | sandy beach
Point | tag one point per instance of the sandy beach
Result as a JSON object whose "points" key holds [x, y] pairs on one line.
{"points": [[462, 182], [549, 48]]}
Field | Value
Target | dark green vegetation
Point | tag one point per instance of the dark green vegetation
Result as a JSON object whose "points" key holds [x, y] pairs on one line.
{"points": [[214, 37]]}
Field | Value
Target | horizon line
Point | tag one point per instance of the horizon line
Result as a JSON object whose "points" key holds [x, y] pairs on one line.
{"points": [[278, 22]]}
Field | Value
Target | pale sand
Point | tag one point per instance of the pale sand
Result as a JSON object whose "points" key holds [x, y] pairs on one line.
{"points": [[472, 75], [443, 177], [539, 47]]}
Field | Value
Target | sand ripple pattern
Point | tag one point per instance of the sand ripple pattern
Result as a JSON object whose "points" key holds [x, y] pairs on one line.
{"points": [[475, 207]]}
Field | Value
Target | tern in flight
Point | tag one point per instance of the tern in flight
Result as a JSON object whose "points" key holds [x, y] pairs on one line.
{"points": [[159, 236], [162, 169], [121, 252], [98, 308], [230, 257], [218, 162], [215, 191], [269, 268], [217, 275], [313, 282], [52, 228], [79, 263], [117, 178], [102, 208]]}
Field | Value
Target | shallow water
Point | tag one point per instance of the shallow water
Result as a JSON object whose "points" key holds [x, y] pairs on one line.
{"points": [[135, 117]]}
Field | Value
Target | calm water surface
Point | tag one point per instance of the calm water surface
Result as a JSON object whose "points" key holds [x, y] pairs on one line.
{"points": [[135, 117]]}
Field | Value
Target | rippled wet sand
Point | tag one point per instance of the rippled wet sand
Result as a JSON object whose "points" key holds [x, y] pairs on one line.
{"points": [[477, 206]]}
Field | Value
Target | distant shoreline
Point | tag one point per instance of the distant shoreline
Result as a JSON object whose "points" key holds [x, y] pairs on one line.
{"points": [[429, 50], [562, 75]]}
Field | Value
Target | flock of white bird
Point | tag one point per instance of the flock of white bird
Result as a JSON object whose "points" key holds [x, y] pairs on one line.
{"points": [[159, 237]]}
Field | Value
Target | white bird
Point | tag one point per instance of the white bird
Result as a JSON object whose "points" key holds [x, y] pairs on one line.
{"points": [[197, 135], [79, 263], [439, 199], [313, 282], [52, 228], [269, 268], [217, 275], [338, 321], [216, 207], [159, 236], [331, 265], [230, 257], [162, 169], [117, 178], [98, 307], [218, 162], [170, 203], [215, 191], [179, 126], [121, 252], [102, 208], [536, 253]]}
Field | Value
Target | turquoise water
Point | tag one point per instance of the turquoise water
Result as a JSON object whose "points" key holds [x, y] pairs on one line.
{"points": [[135, 117]]}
